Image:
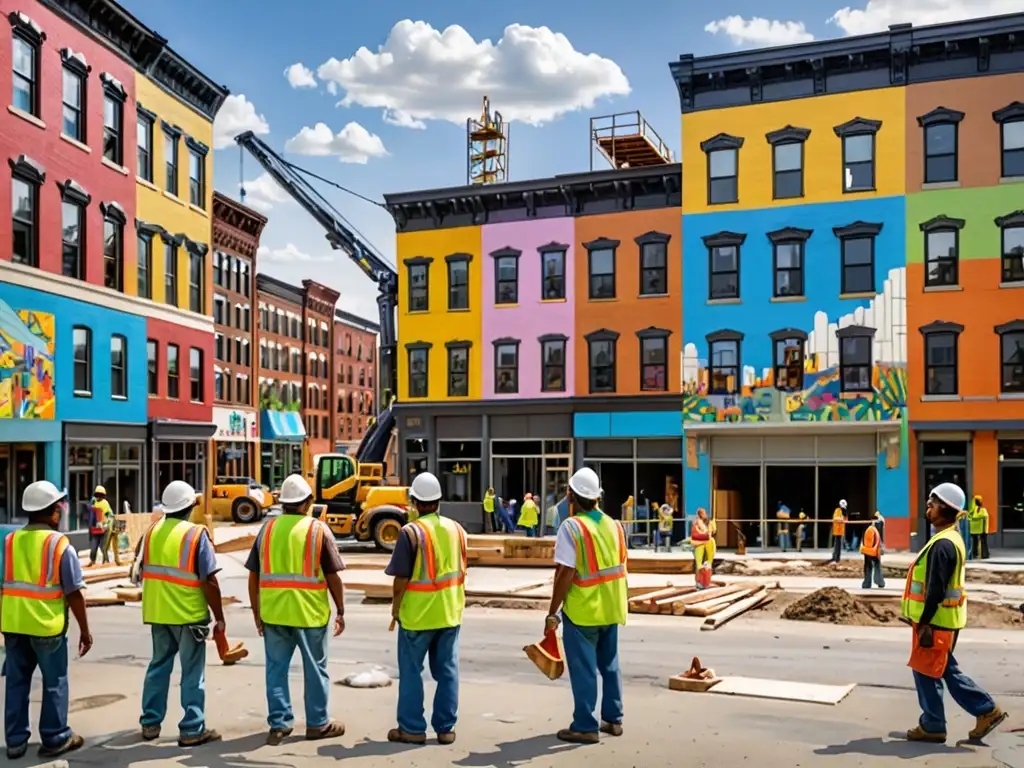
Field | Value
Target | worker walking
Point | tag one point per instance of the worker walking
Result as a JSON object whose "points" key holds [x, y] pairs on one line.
{"points": [[935, 603], [782, 515], [489, 516], [529, 516], [179, 590], [838, 530], [801, 531], [429, 567], [293, 566], [871, 548], [963, 526], [590, 590], [101, 520], [979, 528], [34, 617]]}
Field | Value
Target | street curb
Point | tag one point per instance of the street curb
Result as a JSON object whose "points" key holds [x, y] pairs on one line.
{"points": [[52, 764]]}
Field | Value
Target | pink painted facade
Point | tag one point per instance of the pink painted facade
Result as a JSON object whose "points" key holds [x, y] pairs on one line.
{"points": [[530, 317]]}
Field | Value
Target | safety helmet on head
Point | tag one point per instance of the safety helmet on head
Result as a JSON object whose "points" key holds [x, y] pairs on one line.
{"points": [[425, 487], [585, 484], [99, 491], [177, 497], [528, 497], [951, 495], [294, 490], [40, 495], [842, 503]]}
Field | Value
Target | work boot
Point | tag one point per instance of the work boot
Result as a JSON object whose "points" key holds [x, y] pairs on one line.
{"points": [[446, 738], [197, 741], [74, 742], [987, 723], [401, 737], [277, 735], [575, 737], [150, 732], [333, 730], [612, 729], [920, 734], [18, 752]]}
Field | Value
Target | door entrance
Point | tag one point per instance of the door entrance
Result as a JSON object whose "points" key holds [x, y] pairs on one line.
{"points": [[82, 484]]}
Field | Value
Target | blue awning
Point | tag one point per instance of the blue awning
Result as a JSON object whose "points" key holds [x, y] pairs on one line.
{"points": [[281, 425]]}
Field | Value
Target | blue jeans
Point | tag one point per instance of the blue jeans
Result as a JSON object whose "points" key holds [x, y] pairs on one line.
{"points": [[784, 540], [280, 644], [590, 651], [531, 530], [873, 571], [170, 641], [965, 692], [964, 526], [441, 647], [24, 654]]}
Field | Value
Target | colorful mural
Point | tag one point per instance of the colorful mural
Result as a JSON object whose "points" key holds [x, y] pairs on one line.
{"points": [[26, 364]]}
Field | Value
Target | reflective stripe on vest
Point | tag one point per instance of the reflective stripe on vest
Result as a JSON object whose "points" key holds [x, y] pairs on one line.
{"points": [[33, 599], [310, 578], [952, 611], [435, 596], [598, 594], [587, 572], [184, 575], [293, 587], [172, 593], [427, 579]]}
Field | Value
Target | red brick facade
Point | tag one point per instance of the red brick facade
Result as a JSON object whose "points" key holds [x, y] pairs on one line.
{"points": [[355, 365]]}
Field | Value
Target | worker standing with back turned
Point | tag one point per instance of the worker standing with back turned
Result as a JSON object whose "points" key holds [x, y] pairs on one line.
{"points": [[935, 603], [429, 567], [590, 590], [838, 530]]}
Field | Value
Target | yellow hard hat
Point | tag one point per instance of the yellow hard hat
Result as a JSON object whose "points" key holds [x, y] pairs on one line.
{"points": [[99, 491]]}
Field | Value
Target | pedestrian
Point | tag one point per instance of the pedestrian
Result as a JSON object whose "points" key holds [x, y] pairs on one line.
{"points": [[979, 528], [880, 525], [872, 551], [506, 519], [101, 517], [590, 590], [529, 516], [801, 531], [179, 590], [665, 523], [513, 515], [429, 568], [782, 515], [489, 516], [34, 616], [838, 530], [963, 525], [294, 572], [935, 603], [702, 539]]}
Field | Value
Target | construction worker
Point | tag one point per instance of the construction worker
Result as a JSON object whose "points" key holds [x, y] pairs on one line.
{"points": [[590, 590], [935, 604], [801, 531], [293, 565], [963, 525], [665, 523], [702, 539], [101, 516], [429, 567], [871, 548], [34, 619], [489, 515], [782, 515], [529, 516], [979, 528], [179, 590], [838, 530]]}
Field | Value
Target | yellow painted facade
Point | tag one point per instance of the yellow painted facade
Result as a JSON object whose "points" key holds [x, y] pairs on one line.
{"points": [[155, 205], [438, 324], [823, 150]]}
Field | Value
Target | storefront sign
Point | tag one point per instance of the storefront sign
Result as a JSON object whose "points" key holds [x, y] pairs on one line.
{"points": [[235, 425]]}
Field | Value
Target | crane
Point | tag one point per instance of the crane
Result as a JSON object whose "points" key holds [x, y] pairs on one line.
{"points": [[373, 447]]}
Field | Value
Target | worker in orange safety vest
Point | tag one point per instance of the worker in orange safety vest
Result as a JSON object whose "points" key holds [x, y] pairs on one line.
{"points": [[872, 550], [838, 530]]}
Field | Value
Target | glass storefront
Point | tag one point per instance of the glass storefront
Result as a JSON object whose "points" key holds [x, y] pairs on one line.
{"points": [[459, 470], [538, 467], [178, 460], [234, 459], [1011, 485], [117, 466], [278, 459]]}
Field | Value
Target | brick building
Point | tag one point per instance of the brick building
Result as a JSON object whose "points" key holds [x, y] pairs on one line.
{"points": [[355, 376], [318, 320]]}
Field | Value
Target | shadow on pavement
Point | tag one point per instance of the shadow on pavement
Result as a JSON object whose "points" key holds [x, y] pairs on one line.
{"points": [[367, 748], [123, 749], [514, 752], [895, 745]]}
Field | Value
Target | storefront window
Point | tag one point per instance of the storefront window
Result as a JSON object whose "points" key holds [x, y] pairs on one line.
{"points": [[278, 460], [115, 466], [1011, 484], [459, 468], [233, 460], [178, 460]]}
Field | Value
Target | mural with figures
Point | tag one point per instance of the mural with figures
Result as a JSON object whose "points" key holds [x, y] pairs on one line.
{"points": [[818, 397], [26, 364]]}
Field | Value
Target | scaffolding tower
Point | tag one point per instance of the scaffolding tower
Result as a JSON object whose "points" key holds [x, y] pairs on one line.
{"points": [[487, 140], [626, 140]]}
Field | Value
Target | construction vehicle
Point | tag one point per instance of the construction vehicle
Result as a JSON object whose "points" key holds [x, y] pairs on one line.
{"points": [[358, 502]]}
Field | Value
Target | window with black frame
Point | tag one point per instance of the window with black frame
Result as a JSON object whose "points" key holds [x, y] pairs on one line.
{"points": [[118, 367], [789, 345], [458, 368], [788, 247], [1011, 139], [724, 362], [27, 177], [601, 268], [858, 142], [941, 355], [788, 161], [73, 99], [1011, 354], [601, 354], [941, 128], [506, 276], [857, 256], [942, 251], [856, 343], [419, 297], [458, 281], [724, 265], [506, 366], [552, 266], [81, 342], [26, 42], [74, 201], [653, 263], [458, 462], [653, 359], [418, 360], [723, 168], [552, 355], [144, 122], [114, 220], [1011, 229], [114, 96]]}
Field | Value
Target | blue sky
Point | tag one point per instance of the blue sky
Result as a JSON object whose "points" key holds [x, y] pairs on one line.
{"points": [[248, 44]]}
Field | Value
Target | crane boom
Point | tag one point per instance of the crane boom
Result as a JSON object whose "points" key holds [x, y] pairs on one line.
{"points": [[340, 235]]}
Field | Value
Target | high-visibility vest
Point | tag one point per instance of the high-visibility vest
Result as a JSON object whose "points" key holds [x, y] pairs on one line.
{"points": [[436, 594], [979, 520], [33, 600], [293, 589], [598, 594], [952, 612], [838, 523], [872, 545], [171, 592]]}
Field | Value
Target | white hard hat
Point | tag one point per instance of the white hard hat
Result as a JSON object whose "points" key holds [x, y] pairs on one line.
{"points": [[842, 503], [425, 487], [586, 484], [177, 497], [294, 490], [951, 494], [40, 495]]}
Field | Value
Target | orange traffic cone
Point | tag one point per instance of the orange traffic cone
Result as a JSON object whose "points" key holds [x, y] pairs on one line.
{"points": [[548, 655]]}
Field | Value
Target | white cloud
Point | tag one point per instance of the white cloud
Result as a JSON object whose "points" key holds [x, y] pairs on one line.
{"points": [[300, 76], [352, 144], [236, 115], [290, 254], [402, 120], [531, 74], [263, 193], [877, 15], [759, 31]]}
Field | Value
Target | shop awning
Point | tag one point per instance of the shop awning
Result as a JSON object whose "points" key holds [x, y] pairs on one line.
{"points": [[281, 425], [184, 431]]}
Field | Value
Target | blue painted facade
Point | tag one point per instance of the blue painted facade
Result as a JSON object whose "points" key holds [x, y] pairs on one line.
{"points": [[626, 424]]}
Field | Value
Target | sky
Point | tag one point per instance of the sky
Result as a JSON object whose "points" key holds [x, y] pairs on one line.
{"points": [[375, 96]]}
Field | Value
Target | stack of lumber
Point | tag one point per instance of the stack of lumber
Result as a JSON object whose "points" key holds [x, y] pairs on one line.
{"points": [[717, 605]]}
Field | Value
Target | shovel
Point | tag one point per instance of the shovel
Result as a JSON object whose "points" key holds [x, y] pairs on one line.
{"points": [[548, 655]]}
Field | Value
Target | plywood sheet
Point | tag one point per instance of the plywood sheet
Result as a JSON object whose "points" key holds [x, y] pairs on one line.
{"points": [[782, 690]]}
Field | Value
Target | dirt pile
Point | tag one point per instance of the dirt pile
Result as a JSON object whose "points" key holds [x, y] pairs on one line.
{"points": [[832, 605]]}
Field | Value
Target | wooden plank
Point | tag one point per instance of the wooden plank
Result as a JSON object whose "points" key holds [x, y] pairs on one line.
{"points": [[237, 544], [128, 594], [736, 609], [714, 606], [95, 575], [701, 596], [100, 600], [658, 594], [783, 690], [680, 683]]}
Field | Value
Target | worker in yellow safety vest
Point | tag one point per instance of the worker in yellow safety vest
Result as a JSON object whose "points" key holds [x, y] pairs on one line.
{"points": [[429, 568], [590, 590], [838, 530], [42, 579], [178, 570], [978, 520], [294, 571], [935, 605]]}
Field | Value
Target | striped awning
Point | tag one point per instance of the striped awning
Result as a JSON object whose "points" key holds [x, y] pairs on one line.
{"points": [[281, 425]]}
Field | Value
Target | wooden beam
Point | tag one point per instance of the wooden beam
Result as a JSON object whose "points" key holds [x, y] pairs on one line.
{"points": [[714, 622]]}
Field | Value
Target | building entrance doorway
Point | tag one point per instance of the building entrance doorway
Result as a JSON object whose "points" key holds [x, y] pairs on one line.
{"points": [[795, 488]]}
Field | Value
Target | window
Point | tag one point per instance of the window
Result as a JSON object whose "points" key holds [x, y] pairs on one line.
{"points": [[855, 344], [552, 271], [73, 87], [1011, 139], [858, 137], [144, 144], [458, 280], [218, 272], [419, 299], [25, 181], [942, 251], [171, 273], [459, 470], [552, 355], [458, 368], [221, 315], [195, 374], [1012, 228], [171, 161], [196, 175], [724, 265], [940, 357], [653, 359], [857, 248], [218, 347], [81, 339], [418, 368], [74, 200], [25, 70], [1011, 349], [152, 362], [113, 246], [940, 144], [113, 119], [118, 366], [145, 264], [723, 153], [653, 263], [601, 267], [506, 276], [724, 362], [506, 366], [788, 359], [788, 246], [788, 161], [172, 371], [601, 358], [197, 278]]}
